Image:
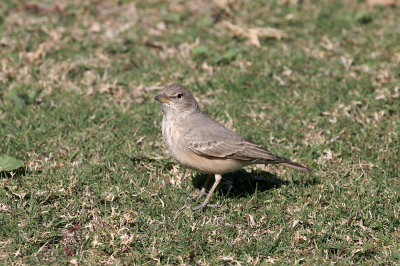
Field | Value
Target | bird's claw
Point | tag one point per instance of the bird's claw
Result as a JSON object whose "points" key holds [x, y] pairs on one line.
{"points": [[203, 205], [197, 195]]}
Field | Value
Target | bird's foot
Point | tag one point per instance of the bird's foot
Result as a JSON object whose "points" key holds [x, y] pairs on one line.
{"points": [[197, 195], [205, 204]]}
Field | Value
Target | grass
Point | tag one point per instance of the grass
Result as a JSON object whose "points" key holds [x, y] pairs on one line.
{"points": [[98, 186]]}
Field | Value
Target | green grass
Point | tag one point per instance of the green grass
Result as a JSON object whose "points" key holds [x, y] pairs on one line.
{"points": [[77, 83]]}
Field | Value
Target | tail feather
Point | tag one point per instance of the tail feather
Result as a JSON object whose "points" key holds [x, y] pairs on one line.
{"points": [[296, 166], [281, 160]]}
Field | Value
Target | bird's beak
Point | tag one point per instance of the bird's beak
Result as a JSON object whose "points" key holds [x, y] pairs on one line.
{"points": [[162, 98]]}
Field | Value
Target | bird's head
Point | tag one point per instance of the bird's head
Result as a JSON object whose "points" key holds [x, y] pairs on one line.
{"points": [[176, 98]]}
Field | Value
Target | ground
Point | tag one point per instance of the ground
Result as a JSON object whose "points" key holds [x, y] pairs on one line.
{"points": [[314, 81]]}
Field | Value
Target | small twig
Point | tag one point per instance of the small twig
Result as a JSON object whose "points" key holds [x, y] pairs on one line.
{"points": [[26, 132]]}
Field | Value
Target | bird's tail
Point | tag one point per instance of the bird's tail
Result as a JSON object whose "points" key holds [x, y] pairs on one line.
{"points": [[296, 166]]}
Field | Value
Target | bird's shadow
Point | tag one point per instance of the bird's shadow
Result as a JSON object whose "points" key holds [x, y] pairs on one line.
{"points": [[241, 183]]}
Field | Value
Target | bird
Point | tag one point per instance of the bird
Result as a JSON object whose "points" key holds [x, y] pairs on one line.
{"points": [[200, 143]]}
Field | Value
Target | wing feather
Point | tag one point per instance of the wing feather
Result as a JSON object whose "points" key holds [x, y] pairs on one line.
{"points": [[208, 138]]}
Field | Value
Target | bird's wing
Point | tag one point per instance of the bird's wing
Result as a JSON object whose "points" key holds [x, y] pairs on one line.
{"points": [[206, 137]]}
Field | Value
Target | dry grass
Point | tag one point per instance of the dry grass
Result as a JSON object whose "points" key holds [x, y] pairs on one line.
{"points": [[98, 187]]}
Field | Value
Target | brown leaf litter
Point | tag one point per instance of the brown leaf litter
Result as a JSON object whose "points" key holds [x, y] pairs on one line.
{"points": [[254, 34], [373, 3]]}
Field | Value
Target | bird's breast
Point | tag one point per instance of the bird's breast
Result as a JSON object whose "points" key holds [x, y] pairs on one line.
{"points": [[171, 136]]}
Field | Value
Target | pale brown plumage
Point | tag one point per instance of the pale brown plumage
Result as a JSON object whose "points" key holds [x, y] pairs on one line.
{"points": [[200, 143]]}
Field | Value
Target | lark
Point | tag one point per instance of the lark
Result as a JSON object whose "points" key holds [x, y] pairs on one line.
{"points": [[202, 144]]}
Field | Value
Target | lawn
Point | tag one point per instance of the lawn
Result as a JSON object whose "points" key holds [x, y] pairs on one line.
{"points": [[314, 81]]}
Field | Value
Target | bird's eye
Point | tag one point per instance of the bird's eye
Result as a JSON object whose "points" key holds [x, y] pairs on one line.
{"points": [[179, 95]]}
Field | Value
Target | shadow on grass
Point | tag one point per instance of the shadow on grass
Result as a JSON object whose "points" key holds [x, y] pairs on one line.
{"points": [[14, 174], [241, 183]]}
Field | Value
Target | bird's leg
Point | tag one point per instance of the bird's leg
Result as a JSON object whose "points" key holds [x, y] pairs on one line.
{"points": [[197, 195], [205, 202]]}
